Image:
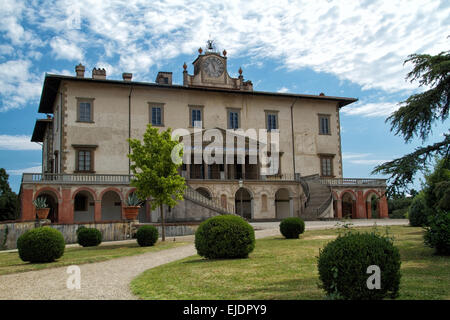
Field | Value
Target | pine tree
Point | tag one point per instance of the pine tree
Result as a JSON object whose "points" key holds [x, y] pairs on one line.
{"points": [[415, 118]]}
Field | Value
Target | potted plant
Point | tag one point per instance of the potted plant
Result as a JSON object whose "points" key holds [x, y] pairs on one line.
{"points": [[41, 208], [133, 204]]}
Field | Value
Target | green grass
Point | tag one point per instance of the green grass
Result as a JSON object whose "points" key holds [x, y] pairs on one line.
{"points": [[11, 263], [287, 269]]}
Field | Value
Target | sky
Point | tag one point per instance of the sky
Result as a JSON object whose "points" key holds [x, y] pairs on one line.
{"points": [[344, 48]]}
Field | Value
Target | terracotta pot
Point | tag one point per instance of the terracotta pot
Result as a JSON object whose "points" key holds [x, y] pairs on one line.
{"points": [[131, 213], [42, 213]]}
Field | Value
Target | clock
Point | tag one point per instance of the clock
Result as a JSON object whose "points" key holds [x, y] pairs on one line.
{"points": [[213, 66]]}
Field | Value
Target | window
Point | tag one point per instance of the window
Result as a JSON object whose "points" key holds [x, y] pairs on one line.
{"points": [[324, 124], [326, 166], [85, 110], [271, 120], [196, 116], [84, 161], [157, 114], [233, 118]]}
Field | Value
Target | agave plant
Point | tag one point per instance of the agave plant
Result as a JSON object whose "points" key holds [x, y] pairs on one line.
{"points": [[133, 200], [40, 203]]}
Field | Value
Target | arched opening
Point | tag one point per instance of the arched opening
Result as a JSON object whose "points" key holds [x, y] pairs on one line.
{"points": [[83, 207], [111, 206], [348, 206], [282, 204], [373, 206], [204, 192], [52, 202], [243, 203]]}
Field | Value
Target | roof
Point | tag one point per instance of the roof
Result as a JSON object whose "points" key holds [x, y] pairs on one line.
{"points": [[39, 130], [52, 82]]}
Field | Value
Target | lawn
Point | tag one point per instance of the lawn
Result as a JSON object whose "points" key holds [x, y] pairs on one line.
{"points": [[287, 269], [11, 263]]}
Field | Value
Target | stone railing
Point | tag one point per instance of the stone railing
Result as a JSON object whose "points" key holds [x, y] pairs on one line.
{"points": [[64, 178], [353, 182]]}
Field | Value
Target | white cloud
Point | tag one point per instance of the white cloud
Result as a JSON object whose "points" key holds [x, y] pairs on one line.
{"points": [[19, 172], [368, 161], [283, 90], [361, 158], [382, 109], [17, 142], [63, 49], [362, 42], [18, 85], [346, 155]]}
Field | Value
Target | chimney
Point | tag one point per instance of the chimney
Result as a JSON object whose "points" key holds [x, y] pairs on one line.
{"points": [[164, 78], [79, 69], [99, 73], [127, 76]]}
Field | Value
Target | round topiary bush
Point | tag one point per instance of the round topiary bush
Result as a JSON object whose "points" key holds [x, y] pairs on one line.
{"points": [[225, 237], [43, 244], [89, 237], [437, 234], [343, 264], [147, 236], [291, 228]]}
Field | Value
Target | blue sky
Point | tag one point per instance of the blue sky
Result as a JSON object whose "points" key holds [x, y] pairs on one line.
{"points": [[341, 48]]}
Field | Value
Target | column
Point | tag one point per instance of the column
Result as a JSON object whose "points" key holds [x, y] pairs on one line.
{"points": [[27, 207], [369, 209], [66, 214], [97, 210], [383, 207], [339, 208], [360, 205], [291, 206]]}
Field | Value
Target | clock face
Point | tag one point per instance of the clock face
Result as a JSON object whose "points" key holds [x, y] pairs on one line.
{"points": [[213, 67]]}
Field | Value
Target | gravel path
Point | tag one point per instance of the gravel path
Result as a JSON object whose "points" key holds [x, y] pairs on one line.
{"points": [[110, 279]]}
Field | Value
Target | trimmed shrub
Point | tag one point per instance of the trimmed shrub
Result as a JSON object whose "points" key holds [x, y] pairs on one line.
{"points": [[147, 236], [417, 213], [43, 244], [437, 234], [224, 237], [292, 227], [89, 237], [343, 264], [79, 229]]}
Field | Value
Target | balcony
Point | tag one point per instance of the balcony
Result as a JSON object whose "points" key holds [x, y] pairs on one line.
{"points": [[124, 179]]}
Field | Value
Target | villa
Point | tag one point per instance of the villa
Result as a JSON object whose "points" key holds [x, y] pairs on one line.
{"points": [[88, 119]]}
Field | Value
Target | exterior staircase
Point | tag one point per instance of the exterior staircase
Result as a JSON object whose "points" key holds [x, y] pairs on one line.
{"points": [[319, 198], [194, 196]]}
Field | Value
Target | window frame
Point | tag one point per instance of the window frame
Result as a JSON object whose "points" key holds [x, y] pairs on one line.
{"points": [[85, 100], [328, 117], [326, 157], [152, 105], [196, 107], [271, 113], [84, 148], [236, 110]]}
